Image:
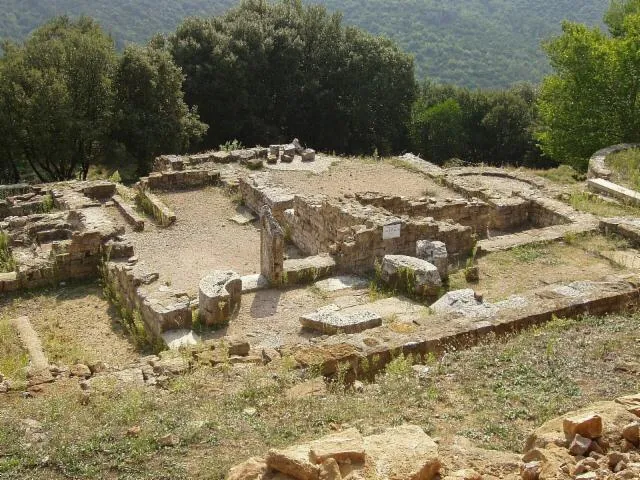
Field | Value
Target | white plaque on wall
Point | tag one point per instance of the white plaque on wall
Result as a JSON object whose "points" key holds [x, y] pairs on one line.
{"points": [[391, 231]]}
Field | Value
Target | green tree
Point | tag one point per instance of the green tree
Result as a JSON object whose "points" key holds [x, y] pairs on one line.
{"points": [[268, 72], [56, 94], [592, 99], [150, 114]]}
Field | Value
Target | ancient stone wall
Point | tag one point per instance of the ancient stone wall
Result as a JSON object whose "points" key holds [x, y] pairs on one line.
{"points": [[178, 180], [155, 207], [257, 192]]}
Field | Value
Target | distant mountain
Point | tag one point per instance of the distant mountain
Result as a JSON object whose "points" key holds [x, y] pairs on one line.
{"points": [[474, 43]]}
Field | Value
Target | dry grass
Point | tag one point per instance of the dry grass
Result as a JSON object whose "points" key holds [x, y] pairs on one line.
{"points": [[502, 274], [625, 166], [590, 203], [13, 359], [526, 379], [563, 175]]}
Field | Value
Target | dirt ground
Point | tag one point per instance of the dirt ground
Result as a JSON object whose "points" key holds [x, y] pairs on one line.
{"points": [[355, 176], [203, 239], [75, 323]]}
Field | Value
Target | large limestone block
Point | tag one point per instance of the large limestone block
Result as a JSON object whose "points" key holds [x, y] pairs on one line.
{"points": [[435, 253], [403, 453], [331, 322], [219, 297], [253, 469], [293, 461], [411, 274], [588, 426], [455, 300], [344, 447]]}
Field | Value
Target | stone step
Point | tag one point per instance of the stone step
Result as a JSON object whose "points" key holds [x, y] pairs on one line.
{"points": [[329, 321], [308, 270], [537, 235], [129, 214], [627, 195]]}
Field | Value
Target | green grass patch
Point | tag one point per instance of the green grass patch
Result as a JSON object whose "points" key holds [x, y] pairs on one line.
{"points": [[625, 166], [7, 262], [589, 203], [564, 175], [13, 359]]}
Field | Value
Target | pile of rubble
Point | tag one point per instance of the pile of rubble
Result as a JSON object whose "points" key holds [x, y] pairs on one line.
{"points": [[287, 153]]}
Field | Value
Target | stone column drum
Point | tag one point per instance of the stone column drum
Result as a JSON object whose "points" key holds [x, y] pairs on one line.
{"points": [[219, 297]]}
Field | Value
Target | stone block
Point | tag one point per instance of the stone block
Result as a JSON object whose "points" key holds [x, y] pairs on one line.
{"points": [[344, 447], [330, 322], [308, 155], [589, 426], [436, 253], [286, 158], [455, 300], [219, 297], [271, 247], [411, 275], [403, 453], [293, 461]]}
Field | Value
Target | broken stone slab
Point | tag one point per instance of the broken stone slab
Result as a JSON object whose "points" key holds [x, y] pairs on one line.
{"points": [[219, 297], [243, 216], [341, 282], [298, 146], [331, 322], [175, 339], [254, 283], [412, 275], [344, 447], [436, 253], [403, 453], [274, 150], [289, 150], [589, 426], [293, 461], [307, 270], [455, 300], [286, 158], [253, 469]]}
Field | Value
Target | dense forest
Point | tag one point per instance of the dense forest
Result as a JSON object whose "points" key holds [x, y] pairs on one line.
{"points": [[472, 43], [265, 72]]}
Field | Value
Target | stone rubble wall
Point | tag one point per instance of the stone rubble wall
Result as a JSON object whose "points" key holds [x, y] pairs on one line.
{"points": [[49, 248], [15, 189], [178, 180], [138, 290], [167, 163], [257, 192], [155, 207], [353, 233]]}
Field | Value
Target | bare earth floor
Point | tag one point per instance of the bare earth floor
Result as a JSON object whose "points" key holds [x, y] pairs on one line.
{"points": [[354, 176], [203, 239]]}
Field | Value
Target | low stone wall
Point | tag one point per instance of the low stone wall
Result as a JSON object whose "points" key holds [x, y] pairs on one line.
{"points": [[597, 163], [15, 189], [155, 207], [177, 180], [353, 234], [257, 192], [628, 228], [626, 195], [367, 352], [138, 290]]}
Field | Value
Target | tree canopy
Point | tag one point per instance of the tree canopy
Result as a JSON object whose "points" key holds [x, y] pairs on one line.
{"points": [[267, 72], [471, 43], [65, 97], [592, 99]]}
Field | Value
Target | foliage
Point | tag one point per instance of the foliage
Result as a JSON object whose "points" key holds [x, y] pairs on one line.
{"points": [[151, 117], [55, 98], [7, 262], [265, 72], [625, 166], [491, 127], [231, 145], [66, 101], [472, 43], [591, 100]]}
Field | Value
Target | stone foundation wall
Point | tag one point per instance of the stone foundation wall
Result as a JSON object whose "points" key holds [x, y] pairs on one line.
{"points": [[178, 180], [138, 290], [353, 233], [155, 207], [256, 193]]}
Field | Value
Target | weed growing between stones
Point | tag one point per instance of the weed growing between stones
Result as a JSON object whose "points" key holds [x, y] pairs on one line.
{"points": [[47, 204], [7, 262], [231, 145]]}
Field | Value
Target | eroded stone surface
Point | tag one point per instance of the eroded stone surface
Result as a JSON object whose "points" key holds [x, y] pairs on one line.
{"points": [[219, 297], [411, 274], [330, 321]]}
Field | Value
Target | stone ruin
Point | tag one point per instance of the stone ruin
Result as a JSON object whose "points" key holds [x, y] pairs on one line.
{"points": [[414, 243]]}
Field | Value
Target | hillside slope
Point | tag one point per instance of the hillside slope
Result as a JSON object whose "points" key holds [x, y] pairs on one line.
{"points": [[476, 43]]}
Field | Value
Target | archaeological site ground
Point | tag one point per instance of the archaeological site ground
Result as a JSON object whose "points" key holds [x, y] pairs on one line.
{"points": [[277, 313]]}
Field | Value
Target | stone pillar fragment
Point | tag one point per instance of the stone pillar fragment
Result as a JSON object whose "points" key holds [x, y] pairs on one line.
{"points": [[271, 247]]}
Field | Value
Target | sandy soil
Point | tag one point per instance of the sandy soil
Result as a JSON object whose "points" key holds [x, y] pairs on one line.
{"points": [[203, 239], [353, 176]]}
